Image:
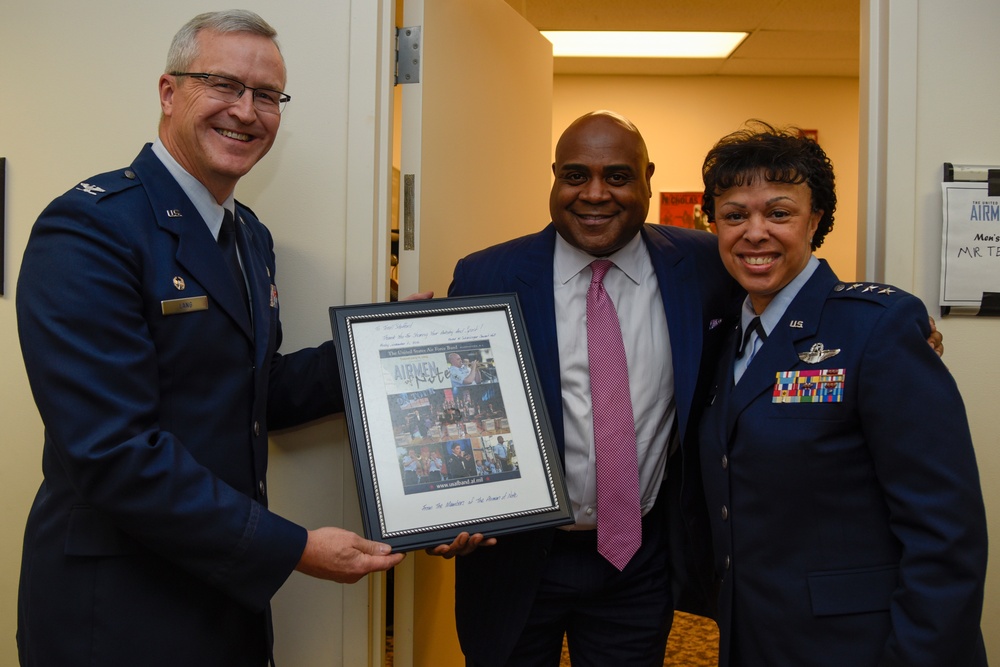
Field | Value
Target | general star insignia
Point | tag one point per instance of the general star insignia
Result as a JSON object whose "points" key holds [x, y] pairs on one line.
{"points": [[887, 290], [817, 353]]}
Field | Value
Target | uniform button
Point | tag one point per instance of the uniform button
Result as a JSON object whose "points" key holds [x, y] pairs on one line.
{"points": [[728, 562], [129, 174], [256, 428], [725, 512], [725, 461], [260, 485], [590, 511]]}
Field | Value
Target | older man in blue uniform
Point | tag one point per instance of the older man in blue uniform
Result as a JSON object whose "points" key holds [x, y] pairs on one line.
{"points": [[154, 363]]}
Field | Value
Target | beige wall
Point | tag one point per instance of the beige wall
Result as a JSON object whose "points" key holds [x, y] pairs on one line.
{"points": [[682, 117]]}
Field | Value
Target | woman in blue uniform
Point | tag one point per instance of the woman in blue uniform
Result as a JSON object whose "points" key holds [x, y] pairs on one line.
{"points": [[842, 486]]}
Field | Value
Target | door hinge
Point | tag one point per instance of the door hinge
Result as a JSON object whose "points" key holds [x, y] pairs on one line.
{"points": [[408, 55], [409, 211]]}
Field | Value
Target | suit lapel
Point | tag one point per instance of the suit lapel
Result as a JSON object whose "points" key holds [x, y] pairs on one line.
{"points": [[779, 353], [259, 281], [197, 251], [532, 276], [721, 394], [675, 274]]}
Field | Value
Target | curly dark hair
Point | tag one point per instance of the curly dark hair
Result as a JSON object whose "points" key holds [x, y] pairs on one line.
{"points": [[781, 156]]}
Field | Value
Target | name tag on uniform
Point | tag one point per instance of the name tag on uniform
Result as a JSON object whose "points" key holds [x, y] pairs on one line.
{"points": [[819, 386], [181, 306]]}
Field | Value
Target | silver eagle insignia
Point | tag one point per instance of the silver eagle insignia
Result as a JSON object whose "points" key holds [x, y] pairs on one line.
{"points": [[90, 189], [817, 353]]}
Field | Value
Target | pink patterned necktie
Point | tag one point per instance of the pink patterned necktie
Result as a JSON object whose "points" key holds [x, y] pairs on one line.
{"points": [[619, 514]]}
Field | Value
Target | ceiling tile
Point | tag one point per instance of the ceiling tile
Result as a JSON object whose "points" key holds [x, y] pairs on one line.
{"points": [[787, 37]]}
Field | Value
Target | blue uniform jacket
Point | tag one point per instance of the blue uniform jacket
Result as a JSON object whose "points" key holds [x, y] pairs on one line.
{"points": [[848, 532], [499, 583], [150, 541]]}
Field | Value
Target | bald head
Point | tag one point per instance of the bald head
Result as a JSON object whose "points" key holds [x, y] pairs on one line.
{"points": [[600, 195], [601, 116]]}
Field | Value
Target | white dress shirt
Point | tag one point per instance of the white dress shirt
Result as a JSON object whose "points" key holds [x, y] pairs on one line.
{"points": [[635, 292]]}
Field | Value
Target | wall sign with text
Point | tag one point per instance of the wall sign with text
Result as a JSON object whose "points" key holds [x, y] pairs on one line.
{"points": [[970, 246]]}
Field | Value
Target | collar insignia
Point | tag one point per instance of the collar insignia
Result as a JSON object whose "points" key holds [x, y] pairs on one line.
{"points": [[90, 189]]}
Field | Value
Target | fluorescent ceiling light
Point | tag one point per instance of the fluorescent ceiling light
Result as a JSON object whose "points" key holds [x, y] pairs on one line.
{"points": [[642, 44]]}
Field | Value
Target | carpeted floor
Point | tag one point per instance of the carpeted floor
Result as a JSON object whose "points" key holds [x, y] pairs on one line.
{"points": [[693, 642]]}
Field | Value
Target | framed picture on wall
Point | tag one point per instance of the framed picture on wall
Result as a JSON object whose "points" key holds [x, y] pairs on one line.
{"points": [[683, 209], [448, 430], [810, 134]]}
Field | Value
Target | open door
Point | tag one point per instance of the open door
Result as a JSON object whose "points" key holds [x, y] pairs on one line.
{"points": [[475, 163], [476, 136]]}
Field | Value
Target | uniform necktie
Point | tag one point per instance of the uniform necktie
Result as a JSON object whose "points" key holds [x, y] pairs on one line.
{"points": [[754, 325], [227, 243], [619, 514]]}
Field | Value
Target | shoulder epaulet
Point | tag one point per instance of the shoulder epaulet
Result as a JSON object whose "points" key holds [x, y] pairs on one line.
{"points": [[247, 209], [103, 185], [876, 292]]}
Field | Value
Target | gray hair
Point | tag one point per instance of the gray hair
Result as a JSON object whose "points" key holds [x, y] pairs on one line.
{"points": [[184, 47]]}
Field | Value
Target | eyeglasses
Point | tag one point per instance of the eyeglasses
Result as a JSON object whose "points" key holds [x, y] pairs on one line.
{"points": [[224, 89]]}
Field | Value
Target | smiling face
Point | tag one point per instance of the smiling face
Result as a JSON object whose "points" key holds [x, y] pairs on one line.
{"points": [[217, 142], [601, 192], [765, 230]]}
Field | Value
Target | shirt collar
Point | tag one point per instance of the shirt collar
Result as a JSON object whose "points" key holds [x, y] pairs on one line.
{"points": [[570, 260], [779, 304], [204, 202]]}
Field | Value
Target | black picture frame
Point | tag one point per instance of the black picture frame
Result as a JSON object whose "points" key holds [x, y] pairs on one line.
{"points": [[435, 453]]}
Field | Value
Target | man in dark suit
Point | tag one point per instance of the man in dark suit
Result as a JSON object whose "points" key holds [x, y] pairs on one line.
{"points": [[156, 373], [673, 298]]}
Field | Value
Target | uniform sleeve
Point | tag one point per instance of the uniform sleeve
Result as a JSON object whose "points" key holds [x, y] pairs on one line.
{"points": [[916, 426], [304, 385]]}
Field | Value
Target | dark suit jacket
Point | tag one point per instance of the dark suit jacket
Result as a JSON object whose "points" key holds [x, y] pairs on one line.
{"points": [[150, 541], [499, 583], [853, 532]]}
